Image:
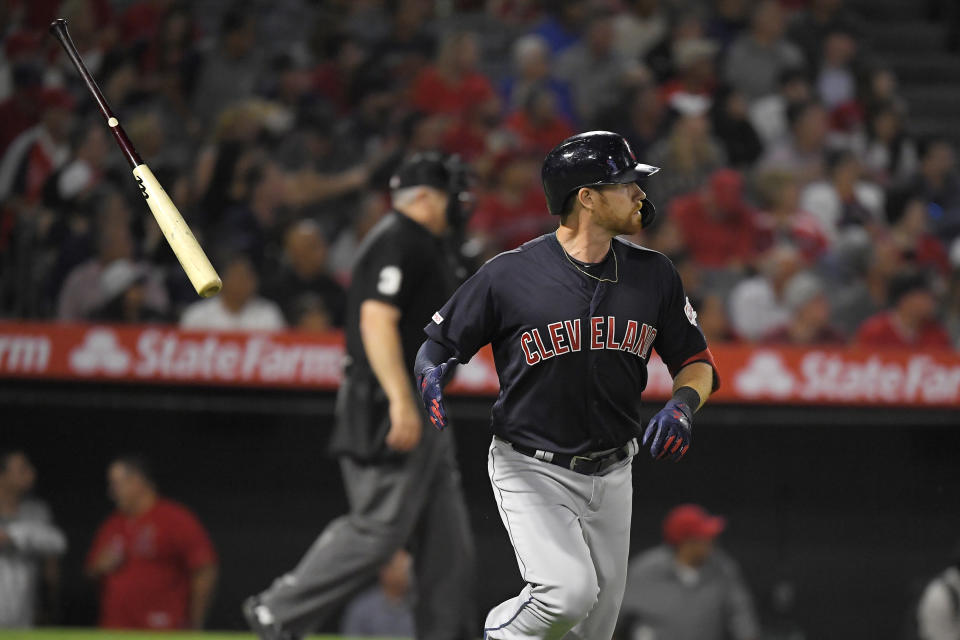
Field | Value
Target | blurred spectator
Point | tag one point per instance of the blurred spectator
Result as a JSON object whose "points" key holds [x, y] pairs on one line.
{"points": [[729, 19], [836, 77], [910, 232], [172, 62], [768, 114], [688, 155], [85, 170], [539, 127], [713, 320], [21, 107], [873, 264], [515, 210], [30, 546], [939, 183], [813, 25], [452, 83], [732, 126], [686, 588], [532, 69], [803, 152], [639, 28], [844, 200], [152, 557], [123, 292], [938, 612], [693, 62], [40, 150], [303, 273], [384, 610], [562, 25], [409, 44], [594, 70], [911, 319], [82, 292], [782, 221], [237, 306], [806, 300], [254, 225], [756, 304], [345, 247], [229, 73], [889, 155], [660, 59], [718, 226], [472, 136], [758, 57], [638, 116]]}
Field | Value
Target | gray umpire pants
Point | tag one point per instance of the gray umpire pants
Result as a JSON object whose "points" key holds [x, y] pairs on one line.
{"points": [[571, 535], [417, 502]]}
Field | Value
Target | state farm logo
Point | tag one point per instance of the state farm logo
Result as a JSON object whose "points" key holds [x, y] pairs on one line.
{"points": [[100, 352], [765, 375]]}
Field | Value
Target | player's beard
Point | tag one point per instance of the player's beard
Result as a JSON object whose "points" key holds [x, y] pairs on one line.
{"points": [[618, 219]]}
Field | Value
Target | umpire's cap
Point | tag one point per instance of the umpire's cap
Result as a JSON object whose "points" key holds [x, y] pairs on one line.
{"points": [[586, 160], [445, 173]]}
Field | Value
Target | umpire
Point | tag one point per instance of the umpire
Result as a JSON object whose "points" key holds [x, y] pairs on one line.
{"points": [[401, 480]]}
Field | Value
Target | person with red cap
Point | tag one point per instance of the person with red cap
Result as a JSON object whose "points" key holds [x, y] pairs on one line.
{"points": [[686, 589]]}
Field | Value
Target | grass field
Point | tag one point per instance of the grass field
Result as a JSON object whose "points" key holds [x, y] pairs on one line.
{"points": [[93, 634]]}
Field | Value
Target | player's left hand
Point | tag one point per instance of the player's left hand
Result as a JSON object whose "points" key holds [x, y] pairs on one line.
{"points": [[670, 432], [431, 382]]}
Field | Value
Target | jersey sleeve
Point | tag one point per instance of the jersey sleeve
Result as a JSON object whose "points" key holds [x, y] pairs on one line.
{"points": [[106, 535], [193, 543], [468, 319], [391, 272], [679, 340]]}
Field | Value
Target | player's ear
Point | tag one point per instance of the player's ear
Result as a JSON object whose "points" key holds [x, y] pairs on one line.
{"points": [[585, 197]]}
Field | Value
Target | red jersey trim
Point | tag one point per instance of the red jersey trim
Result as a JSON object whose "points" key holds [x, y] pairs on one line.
{"points": [[703, 356]]}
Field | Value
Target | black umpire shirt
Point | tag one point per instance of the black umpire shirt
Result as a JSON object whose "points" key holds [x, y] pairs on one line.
{"points": [[403, 264], [571, 351]]}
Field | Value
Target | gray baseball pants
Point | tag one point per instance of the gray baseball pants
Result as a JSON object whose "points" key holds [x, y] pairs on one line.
{"points": [[571, 535], [417, 502]]}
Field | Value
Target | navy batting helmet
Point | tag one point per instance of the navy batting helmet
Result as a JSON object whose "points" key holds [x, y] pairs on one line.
{"points": [[587, 160]]}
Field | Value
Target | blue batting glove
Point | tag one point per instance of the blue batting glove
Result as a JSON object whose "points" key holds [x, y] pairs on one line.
{"points": [[671, 431], [431, 382]]}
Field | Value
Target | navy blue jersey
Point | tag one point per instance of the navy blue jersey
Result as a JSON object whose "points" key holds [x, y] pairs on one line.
{"points": [[571, 351]]}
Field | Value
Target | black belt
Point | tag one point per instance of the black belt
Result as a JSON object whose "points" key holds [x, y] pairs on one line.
{"points": [[588, 465]]}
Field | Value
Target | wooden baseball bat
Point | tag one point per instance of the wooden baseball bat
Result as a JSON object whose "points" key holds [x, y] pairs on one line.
{"points": [[192, 258]]}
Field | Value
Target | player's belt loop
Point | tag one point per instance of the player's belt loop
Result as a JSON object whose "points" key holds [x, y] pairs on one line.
{"points": [[546, 456]]}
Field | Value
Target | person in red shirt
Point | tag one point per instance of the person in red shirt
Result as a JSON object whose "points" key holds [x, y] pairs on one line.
{"points": [[153, 558], [514, 210], [910, 321], [539, 126], [717, 224], [453, 83], [783, 221]]}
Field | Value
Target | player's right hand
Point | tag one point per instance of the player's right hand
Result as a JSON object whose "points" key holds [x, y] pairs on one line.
{"points": [[431, 381], [406, 425], [670, 431]]}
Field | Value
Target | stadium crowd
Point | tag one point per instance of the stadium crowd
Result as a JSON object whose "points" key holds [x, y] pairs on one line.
{"points": [[793, 197]]}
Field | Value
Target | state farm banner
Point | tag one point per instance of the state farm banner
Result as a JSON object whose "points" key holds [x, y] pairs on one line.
{"points": [[167, 355]]}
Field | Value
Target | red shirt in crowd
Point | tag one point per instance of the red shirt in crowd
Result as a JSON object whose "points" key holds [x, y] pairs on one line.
{"points": [[541, 138], [432, 93], [803, 232], [161, 549], [715, 241], [881, 330], [512, 223]]}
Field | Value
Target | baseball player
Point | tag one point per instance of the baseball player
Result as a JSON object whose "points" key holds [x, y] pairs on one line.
{"points": [[572, 317], [401, 480]]}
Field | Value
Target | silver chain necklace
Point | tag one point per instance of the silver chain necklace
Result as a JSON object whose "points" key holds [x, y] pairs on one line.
{"points": [[616, 265]]}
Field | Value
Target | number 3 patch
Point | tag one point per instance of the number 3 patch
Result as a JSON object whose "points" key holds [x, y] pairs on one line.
{"points": [[389, 282]]}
